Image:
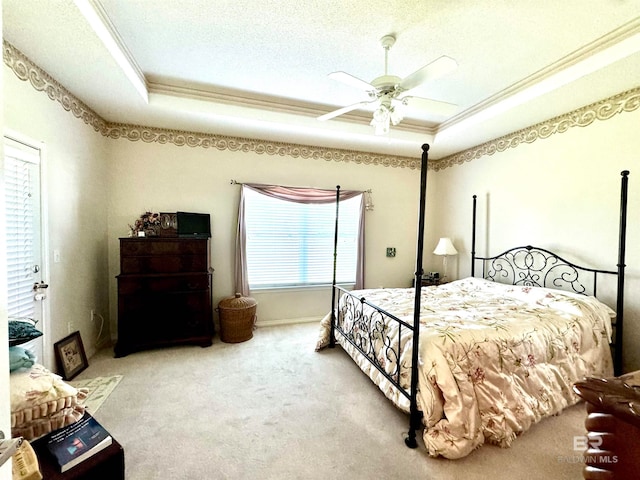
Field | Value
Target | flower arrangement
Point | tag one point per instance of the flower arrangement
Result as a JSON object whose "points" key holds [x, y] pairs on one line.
{"points": [[147, 223]]}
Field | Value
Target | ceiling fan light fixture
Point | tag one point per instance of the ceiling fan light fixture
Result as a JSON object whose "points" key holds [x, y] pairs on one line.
{"points": [[381, 120], [389, 91], [380, 115], [380, 128], [383, 117], [396, 115]]}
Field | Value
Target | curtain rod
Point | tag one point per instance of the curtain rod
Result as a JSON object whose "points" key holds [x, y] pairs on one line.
{"points": [[235, 182]]}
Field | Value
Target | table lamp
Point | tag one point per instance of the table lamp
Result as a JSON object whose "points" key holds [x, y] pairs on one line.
{"points": [[445, 247]]}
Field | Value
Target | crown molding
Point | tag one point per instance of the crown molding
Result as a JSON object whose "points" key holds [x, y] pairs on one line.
{"points": [[26, 70], [227, 96], [40, 80], [608, 41], [101, 24], [603, 110]]}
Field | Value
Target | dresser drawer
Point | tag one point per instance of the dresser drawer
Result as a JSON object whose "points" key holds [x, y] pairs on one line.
{"points": [[163, 246], [159, 308], [162, 313], [164, 264], [130, 284], [164, 318]]}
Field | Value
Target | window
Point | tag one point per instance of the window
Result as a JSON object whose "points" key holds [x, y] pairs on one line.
{"points": [[290, 244]]}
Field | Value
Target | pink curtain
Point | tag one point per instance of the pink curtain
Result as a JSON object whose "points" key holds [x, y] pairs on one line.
{"points": [[298, 195]]}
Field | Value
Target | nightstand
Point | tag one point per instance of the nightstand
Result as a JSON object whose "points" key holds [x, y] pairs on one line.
{"points": [[429, 281]]}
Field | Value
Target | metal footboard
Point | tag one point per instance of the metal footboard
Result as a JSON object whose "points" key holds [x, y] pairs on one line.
{"points": [[369, 335]]}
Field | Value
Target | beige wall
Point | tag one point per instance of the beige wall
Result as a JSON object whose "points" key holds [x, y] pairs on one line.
{"points": [[560, 193], [96, 186], [74, 179], [170, 178]]}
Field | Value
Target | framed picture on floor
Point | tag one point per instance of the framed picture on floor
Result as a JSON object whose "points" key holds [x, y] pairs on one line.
{"points": [[70, 356]]}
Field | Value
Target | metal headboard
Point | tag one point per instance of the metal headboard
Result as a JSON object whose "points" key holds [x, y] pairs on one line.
{"points": [[538, 267]]}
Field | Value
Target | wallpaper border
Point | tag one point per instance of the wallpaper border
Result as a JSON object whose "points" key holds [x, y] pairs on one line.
{"points": [[239, 144], [27, 70], [603, 110]]}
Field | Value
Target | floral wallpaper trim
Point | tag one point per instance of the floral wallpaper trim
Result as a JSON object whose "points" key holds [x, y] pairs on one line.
{"points": [[26, 70], [238, 144], [603, 110]]}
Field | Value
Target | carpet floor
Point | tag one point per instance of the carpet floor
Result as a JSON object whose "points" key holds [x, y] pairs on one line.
{"points": [[273, 408]]}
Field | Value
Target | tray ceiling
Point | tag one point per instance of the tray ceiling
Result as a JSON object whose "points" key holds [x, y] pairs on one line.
{"points": [[260, 69]]}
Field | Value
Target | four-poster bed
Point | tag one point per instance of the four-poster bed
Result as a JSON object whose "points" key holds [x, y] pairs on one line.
{"points": [[482, 358]]}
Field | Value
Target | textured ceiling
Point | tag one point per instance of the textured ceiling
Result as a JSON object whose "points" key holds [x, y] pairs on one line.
{"points": [[259, 69]]}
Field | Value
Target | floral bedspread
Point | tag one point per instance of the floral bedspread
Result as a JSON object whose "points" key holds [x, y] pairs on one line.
{"points": [[494, 359]]}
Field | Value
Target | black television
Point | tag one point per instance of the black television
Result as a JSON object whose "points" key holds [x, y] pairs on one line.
{"points": [[194, 225]]}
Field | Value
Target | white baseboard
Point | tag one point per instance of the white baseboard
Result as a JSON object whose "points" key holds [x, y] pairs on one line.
{"points": [[286, 321]]}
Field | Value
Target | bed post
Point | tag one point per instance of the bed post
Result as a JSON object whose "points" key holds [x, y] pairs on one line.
{"points": [[473, 239], [617, 360], [332, 335], [414, 414]]}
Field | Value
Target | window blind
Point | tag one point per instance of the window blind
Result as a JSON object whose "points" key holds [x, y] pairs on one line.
{"points": [[21, 167], [291, 244]]}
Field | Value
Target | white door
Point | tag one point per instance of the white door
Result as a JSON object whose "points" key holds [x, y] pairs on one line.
{"points": [[26, 290]]}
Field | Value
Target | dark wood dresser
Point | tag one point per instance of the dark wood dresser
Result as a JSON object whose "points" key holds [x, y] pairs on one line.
{"points": [[164, 293]]}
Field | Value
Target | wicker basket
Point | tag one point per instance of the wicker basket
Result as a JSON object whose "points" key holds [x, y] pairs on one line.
{"points": [[237, 318]]}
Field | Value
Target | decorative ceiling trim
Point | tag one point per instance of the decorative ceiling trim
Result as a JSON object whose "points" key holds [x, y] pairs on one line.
{"points": [[237, 98], [238, 144], [603, 110], [102, 26], [586, 54], [40, 80], [26, 70]]}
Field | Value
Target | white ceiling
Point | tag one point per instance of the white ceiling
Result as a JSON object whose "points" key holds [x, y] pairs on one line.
{"points": [[259, 69]]}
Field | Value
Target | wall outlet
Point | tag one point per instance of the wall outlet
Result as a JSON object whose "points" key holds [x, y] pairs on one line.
{"points": [[391, 251], [71, 327]]}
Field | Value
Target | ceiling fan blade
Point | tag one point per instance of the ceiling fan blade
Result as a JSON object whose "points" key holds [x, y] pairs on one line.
{"points": [[432, 106], [352, 81], [436, 69], [343, 110]]}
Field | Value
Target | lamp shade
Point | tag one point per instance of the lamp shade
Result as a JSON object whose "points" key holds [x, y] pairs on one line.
{"points": [[445, 247]]}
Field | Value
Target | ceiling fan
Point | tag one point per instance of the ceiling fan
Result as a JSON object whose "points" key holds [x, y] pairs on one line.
{"points": [[390, 91]]}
